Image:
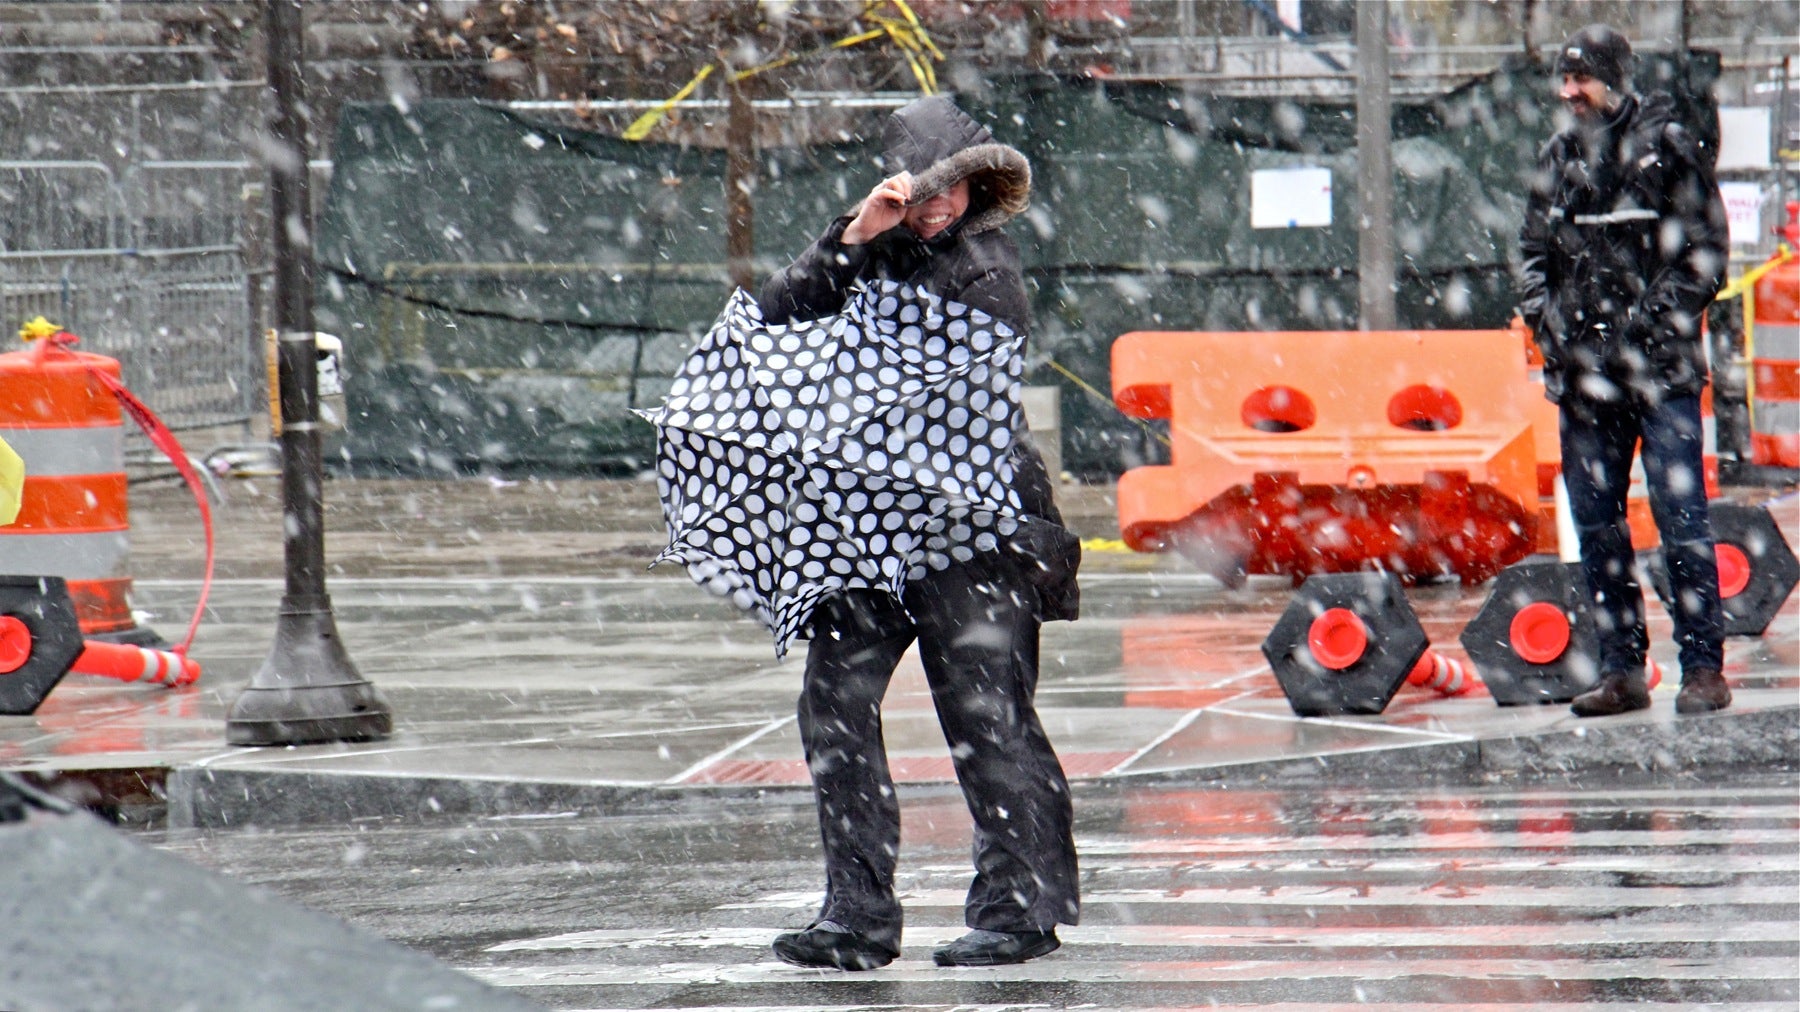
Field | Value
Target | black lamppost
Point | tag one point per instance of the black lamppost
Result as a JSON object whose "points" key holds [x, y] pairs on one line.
{"points": [[1374, 168], [307, 690]]}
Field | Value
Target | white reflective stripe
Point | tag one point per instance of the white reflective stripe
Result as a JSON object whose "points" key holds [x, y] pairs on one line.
{"points": [[97, 556], [1615, 217], [48, 453], [1769, 340], [160, 666], [1777, 417], [1291, 938], [1261, 973], [1300, 896]]}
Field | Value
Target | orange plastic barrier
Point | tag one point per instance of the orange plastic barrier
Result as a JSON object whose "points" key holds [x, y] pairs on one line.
{"points": [[1316, 452], [73, 511]]}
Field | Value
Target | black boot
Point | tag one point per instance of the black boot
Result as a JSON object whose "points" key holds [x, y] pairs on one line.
{"points": [[829, 944], [1618, 692], [1703, 690], [995, 948]]}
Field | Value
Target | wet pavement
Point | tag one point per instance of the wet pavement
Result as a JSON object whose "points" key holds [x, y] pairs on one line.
{"points": [[1633, 892], [527, 653], [594, 794]]}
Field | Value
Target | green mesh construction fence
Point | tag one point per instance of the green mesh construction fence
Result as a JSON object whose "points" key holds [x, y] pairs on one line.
{"points": [[508, 288]]}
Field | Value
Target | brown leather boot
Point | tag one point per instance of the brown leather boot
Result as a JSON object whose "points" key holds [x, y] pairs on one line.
{"points": [[1703, 690], [1618, 692]]}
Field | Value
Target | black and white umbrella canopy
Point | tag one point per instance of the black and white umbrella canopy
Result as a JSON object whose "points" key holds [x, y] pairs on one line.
{"points": [[853, 451]]}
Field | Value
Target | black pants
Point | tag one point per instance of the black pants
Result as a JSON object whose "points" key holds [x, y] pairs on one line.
{"points": [[1597, 445], [977, 628]]}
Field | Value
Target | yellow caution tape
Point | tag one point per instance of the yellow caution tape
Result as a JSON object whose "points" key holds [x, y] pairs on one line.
{"points": [[641, 127], [12, 483], [1755, 274], [1745, 288], [917, 56], [779, 62], [858, 39], [1090, 388], [917, 28], [906, 32]]}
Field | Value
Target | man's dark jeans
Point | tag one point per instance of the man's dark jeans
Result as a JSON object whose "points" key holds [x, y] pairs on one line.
{"points": [[1597, 445]]}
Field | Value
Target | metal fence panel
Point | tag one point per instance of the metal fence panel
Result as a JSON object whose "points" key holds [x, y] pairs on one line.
{"points": [[55, 206], [147, 259], [197, 356], [179, 324], [188, 205]]}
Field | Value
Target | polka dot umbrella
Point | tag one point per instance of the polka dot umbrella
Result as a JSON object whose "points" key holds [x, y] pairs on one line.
{"points": [[852, 451]]}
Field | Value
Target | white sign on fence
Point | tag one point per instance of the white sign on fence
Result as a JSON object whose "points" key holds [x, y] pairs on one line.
{"points": [[1290, 198], [1743, 211], [1743, 138]]}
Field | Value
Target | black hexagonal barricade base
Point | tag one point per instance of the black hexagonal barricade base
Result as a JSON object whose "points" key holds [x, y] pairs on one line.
{"points": [[1773, 569], [1512, 680], [42, 603], [1396, 642]]}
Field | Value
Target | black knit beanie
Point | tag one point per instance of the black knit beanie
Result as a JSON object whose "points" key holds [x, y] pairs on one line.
{"points": [[1600, 53]]}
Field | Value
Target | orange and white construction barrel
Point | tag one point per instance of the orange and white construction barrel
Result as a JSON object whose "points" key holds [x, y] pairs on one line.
{"points": [[1775, 367], [73, 517]]}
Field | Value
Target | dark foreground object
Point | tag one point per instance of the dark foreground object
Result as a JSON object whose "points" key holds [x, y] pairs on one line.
{"points": [[90, 920]]}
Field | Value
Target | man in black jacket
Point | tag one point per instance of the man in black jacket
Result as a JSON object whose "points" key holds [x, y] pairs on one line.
{"points": [[934, 224], [1624, 247]]}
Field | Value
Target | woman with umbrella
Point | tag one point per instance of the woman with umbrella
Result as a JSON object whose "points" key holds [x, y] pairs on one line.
{"points": [[975, 609]]}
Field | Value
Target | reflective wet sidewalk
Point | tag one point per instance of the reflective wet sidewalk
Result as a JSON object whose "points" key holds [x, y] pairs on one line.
{"points": [[1672, 892], [528, 656]]}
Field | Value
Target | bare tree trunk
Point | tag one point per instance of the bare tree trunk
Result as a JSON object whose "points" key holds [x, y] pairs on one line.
{"points": [[740, 185], [1038, 37]]}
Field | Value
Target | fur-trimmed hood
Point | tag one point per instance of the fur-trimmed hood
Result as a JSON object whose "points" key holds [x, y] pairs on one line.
{"points": [[940, 144]]}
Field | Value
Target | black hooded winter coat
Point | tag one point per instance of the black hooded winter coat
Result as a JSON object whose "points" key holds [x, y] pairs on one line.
{"points": [[1624, 246], [971, 262]]}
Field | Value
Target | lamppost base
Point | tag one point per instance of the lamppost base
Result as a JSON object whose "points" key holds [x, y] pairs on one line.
{"points": [[307, 690], [333, 717]]}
